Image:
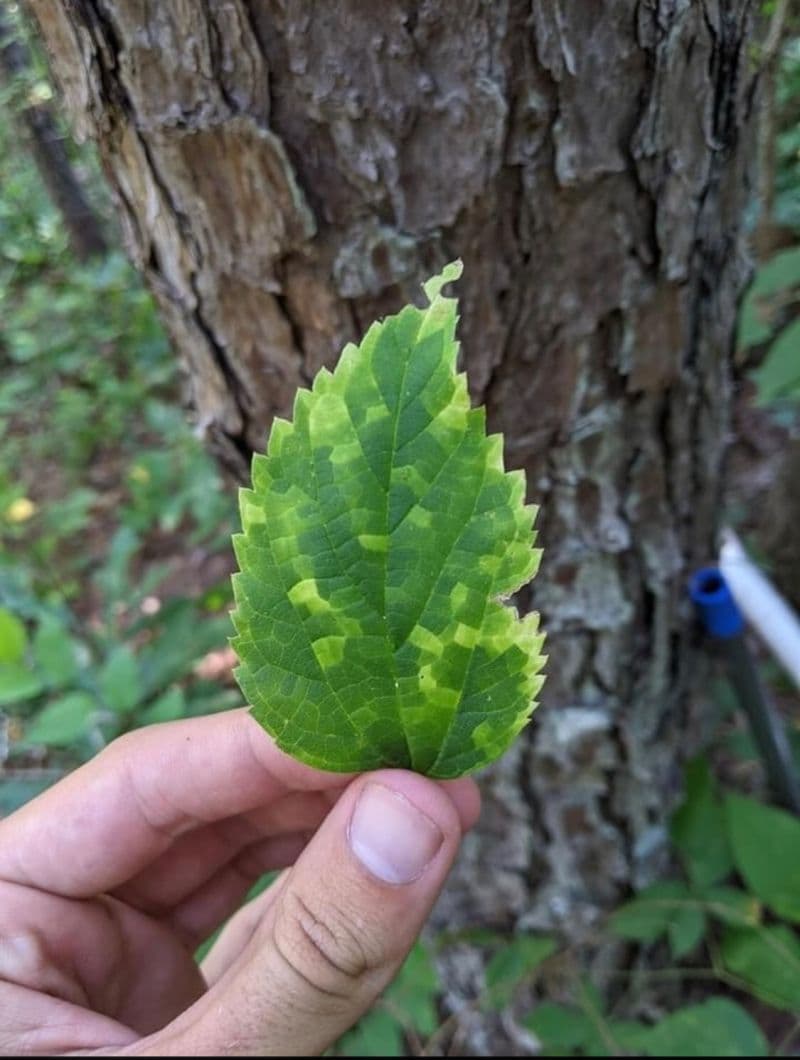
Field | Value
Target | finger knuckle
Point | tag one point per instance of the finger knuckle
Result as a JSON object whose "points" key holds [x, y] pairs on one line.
{"points": [[325, 948]]}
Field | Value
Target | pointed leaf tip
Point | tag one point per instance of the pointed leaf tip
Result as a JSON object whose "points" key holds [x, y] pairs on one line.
{"points": [[449, 273]]}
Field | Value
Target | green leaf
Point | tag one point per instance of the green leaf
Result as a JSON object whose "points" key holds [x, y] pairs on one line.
{"points": [[732, 906], [685, 930], [61, 722], [408, 1004], [510, 965], [17, 683], [781, 272], [560, 1028], [717, 1027], [630, 1037], [566, 1031], [179, 638], [650, 915], [168, 707], [766, 849], [753, 327], [19, 790], [779, 375], [13, 638], [118, 680], [381, 537], [413, 993], [768, 960], [55, 653], [379, 1033], [698, 828]]}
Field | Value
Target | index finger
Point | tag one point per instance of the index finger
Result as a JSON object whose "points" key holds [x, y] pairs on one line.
{"points": [[109, 819]]}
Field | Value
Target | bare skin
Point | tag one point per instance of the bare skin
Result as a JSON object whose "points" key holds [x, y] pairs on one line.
{"points": [[110, 880]]}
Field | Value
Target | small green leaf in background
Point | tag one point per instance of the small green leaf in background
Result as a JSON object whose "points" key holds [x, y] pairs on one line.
{"points": [[13, 638], [378, 1033], [667, 908], [118, 680], [169, 706], [413, 993], [409, 1005], [685, 930], [179, 637], [732, 906], [17, 683], [717, 1027], [513, 963], [766, 850], [698, 828], [768, 960], [779, 375], [55, 653], [380, 540], [774, 279], [560, 1028], [61, 722], [566, 1031], [16, 791]]}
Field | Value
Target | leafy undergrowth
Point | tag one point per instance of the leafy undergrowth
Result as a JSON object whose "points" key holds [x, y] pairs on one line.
{"points": [[713, 969], [114, 522]]}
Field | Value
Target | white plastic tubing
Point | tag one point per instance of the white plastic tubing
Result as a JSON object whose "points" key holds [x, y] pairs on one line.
{"points": [[761, 604]]}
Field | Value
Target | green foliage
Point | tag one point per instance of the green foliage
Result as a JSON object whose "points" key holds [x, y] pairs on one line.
{"points": [[663, 909], [698, 829], [407, 1009], [766, 960], [787, 168], [584, 1029], [779, 375], [62, 721], [716, 837], [717, 1027], [766, 849], [13, 638], [99, 473], [380, 538], [563, 1030], [79, 693], [767, 320], [769, 325], [514, 962]]}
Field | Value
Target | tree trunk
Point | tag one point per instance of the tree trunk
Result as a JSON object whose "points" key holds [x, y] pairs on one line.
{"points": [[289, 171], [39, 124]]}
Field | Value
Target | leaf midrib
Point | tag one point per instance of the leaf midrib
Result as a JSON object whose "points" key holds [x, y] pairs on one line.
{"points": [[387, 498]]}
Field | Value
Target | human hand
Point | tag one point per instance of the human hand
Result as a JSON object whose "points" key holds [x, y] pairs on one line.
{"points": [[111, 879]]}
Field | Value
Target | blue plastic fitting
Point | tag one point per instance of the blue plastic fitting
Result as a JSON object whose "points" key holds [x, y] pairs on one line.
{"points": [[715, 604]]}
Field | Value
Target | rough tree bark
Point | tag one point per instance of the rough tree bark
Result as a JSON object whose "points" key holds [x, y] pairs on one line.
{"points": [[287, 171], [38, 123]]}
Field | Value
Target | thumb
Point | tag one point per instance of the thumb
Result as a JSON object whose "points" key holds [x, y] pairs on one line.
{"points": [[342, 923]]}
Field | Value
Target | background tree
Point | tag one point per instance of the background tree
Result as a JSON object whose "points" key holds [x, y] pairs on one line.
{"points": [[39, 123], [286, 172]]}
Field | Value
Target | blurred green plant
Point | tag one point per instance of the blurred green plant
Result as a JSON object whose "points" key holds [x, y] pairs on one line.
{"points": [[727, 925], [75, 691], [98, 467], [769, 328], [787, 145]]}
